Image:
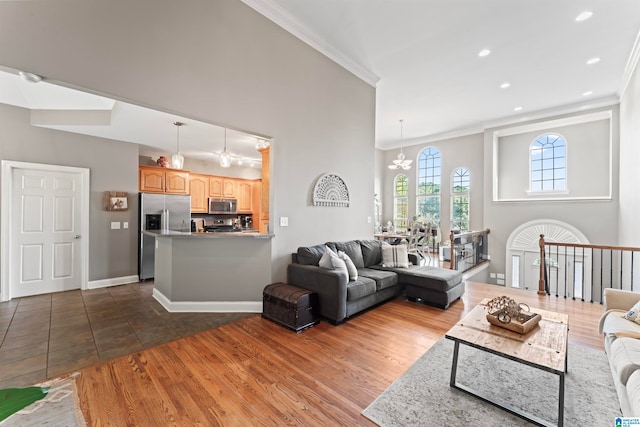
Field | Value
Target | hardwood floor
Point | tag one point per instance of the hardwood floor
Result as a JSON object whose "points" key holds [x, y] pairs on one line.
{"points": [[254, 372]]}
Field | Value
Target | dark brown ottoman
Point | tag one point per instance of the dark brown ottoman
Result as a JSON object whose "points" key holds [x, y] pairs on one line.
{"points": [[290, 306]]}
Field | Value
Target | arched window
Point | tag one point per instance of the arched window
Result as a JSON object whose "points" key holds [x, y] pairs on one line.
{"points": [[548, 160], [460, 187], [428, 197], [401, 202]]}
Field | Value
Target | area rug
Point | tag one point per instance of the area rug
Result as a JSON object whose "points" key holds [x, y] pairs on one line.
{"points": [[422, 396], [59, 408]]}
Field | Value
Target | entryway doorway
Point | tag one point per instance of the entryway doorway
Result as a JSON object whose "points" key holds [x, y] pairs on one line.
{"points": [[45, 229], [523, 258]]}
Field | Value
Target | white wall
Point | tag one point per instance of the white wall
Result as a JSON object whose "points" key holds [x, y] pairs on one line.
{"points": [[220, 62], [629, 232]]}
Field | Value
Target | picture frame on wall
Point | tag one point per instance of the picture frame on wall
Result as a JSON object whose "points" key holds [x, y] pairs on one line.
{"points": [[116, 201]]}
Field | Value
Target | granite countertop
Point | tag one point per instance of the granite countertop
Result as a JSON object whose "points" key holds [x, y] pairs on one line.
{"points": [[200, 235]]}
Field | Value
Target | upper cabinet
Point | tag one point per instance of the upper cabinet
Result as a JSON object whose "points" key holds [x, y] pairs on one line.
{"points": [[230, 186], [223, 188], [199, 190], [163, 180], [201, 187], [245, 202]]}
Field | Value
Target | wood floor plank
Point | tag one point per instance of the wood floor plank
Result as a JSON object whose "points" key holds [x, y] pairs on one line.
{"points": [[255, 372]]}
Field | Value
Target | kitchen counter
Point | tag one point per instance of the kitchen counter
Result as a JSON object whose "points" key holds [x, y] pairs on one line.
{"points": [[187, 234], [211, 272]]}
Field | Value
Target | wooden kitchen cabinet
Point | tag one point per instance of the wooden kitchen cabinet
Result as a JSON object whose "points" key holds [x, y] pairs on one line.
{"points": [[162, 180], [223, 188], [230, 186], [245, 201], [176, 182], [216, 187], [199, 190]]}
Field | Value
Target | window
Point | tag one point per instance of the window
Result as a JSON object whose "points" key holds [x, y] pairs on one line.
{"points": [[401, 202], [515, 271], [460, 199], [428, 197], [548, 154]]}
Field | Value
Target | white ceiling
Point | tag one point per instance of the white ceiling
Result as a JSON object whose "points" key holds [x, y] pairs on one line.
{"points": [[70, 110], [424, 55]]}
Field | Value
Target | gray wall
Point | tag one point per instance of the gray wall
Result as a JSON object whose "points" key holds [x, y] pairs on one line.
{"points": [[588, 170], [114, 167], [465, 151], [220, 62], [597, 219], [629, 232]]}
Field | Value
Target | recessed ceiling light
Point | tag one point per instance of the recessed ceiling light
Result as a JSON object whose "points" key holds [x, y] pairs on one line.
{"points": [[587, 93], [484, 52], [505, 85], [30, 77], [584, 16], [517, 109], [593, 60]]}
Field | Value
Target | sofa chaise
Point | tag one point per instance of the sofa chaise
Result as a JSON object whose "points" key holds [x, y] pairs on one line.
{"points": [[622, 345], [342, 296]]}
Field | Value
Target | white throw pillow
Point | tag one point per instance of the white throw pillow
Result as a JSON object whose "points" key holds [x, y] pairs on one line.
{"points": [[634, 313], [351, 267], [395, 256], [331, 261]]}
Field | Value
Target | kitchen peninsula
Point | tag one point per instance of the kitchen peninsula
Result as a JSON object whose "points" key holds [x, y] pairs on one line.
{"points": [[211, 272]]}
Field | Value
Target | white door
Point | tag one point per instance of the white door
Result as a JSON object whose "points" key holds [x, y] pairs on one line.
{"points": [[45, 226]]}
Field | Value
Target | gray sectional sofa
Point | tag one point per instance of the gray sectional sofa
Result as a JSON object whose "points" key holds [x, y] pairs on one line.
{"points": [[340, 298]]}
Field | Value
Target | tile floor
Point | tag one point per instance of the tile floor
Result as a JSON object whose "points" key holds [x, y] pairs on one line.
{"points": [[45, 336]]}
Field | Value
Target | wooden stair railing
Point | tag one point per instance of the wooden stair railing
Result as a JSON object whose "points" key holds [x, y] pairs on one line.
{"points": [[603, 266]]}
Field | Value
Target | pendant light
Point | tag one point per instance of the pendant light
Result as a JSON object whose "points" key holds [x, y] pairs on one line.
{"points": [[401, 162], [225, 158], [177, 160]]}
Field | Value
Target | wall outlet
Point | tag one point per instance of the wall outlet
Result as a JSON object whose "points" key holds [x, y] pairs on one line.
{"points": [[284, 221], [500, 282], [115, 225], [125, 225], [500, 275], [492, 275], [368, 220]]}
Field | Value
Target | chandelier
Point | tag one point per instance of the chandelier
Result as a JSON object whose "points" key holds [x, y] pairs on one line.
{"points": [[401, 162]]}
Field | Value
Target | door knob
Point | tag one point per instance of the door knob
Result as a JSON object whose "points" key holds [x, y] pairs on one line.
{"points": [[77, 236]]}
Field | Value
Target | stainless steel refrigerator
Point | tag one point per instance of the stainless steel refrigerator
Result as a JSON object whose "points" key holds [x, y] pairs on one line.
{"points": [[157, 212]]}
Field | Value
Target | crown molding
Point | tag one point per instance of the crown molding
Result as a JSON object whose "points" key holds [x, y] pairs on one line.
{"points": [[537, 116], [272, 11], [629, 69]]}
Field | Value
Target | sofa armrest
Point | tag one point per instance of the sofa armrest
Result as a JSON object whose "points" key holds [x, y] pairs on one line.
{"points": [[330, 285], [619, 299], [604, 316]]}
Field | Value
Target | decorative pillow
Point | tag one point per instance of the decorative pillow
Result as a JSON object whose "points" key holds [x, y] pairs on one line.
{"points": [[633, 314], [310, 255], [351, 267], [395, 256], [331, 261]]}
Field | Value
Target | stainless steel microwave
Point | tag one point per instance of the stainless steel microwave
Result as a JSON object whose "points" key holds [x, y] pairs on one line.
{"points": [[223, 206]]}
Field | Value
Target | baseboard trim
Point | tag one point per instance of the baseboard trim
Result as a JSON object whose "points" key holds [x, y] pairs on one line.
{"points": [[114, 281], [207, 306]]}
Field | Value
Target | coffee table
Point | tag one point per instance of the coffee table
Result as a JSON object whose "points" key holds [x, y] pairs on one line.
{"points": [[544, 347]]}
